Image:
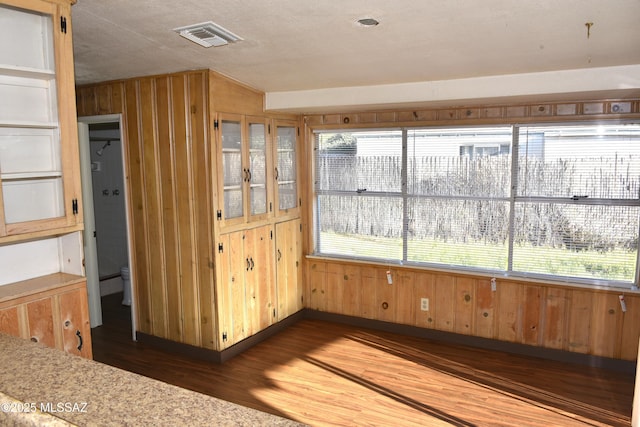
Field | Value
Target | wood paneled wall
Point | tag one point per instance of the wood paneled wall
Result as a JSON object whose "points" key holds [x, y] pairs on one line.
{"points": [[552, 316], [168, 151], [168, 162]]}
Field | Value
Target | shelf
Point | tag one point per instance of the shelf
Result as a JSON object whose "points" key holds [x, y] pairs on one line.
{"points": [[30, 176], [29, 124], [27, 72], [38, 285]]}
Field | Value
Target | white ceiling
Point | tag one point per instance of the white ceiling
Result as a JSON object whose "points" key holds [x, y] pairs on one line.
{"points": [[298, 49]]}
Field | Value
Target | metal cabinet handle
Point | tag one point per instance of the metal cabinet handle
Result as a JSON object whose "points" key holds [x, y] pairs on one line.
{"points": [[252, 263], [248, 264], [279, 254], [79, 335], [277, 174]]}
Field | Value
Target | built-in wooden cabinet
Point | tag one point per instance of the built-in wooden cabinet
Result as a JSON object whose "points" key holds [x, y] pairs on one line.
{"points": [[289, 268], [39, 188], [41, 247], [211, 177], [51, 310], [285, 149], [242, 169], [246, 286], [259, 279]]}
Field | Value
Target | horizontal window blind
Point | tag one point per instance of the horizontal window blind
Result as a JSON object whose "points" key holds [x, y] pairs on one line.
{"points": [[359, 202]]}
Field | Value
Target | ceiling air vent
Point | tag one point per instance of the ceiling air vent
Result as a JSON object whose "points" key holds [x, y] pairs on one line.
{"points": [[207, 34]]}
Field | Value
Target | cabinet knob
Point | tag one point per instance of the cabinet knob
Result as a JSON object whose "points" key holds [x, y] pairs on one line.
{"points": [[34, 339], [67, 323]]}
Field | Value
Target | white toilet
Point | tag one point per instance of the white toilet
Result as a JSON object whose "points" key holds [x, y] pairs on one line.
{"points": [[126, 282]]}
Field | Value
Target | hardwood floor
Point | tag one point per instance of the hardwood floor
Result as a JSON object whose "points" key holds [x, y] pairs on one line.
{"points": [[321, 373]]}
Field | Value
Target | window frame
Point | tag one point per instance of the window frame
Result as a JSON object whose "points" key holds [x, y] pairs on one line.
{"points": [[513, 200]]}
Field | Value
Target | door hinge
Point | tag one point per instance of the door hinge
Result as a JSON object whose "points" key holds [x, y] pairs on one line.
{"points": [[224, 336], [271, 232], [220, 248], [270, 207], [274, 312], [298, 131], [300, 201], [74, 206], [63, 24], [215, 124], [269, 128], [301, 228], [219, 215]]}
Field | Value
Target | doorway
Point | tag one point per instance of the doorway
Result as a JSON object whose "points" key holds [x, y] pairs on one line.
{"points": [[107, 241]]}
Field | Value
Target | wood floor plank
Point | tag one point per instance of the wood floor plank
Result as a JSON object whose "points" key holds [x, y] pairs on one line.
{"points": [[326, 374]]}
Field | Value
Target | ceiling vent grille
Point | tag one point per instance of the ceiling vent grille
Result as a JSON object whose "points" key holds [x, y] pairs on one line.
{"points": [[207, 34]]}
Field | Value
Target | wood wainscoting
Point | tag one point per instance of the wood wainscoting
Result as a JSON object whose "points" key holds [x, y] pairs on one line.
{"points": [[560, 317]]}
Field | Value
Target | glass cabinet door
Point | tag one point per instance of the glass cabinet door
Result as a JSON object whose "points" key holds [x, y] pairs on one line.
{"points": [[233, 174], [32, 190], [286, 167], [257, 170]]}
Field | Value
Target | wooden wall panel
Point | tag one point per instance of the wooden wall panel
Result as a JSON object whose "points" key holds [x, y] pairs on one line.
{"points": [[485, 309], [531, 314], [579, 322], [352, 291], [444, 303], [386, 300], [606, 325], [334, 289], [465, 305], [153, 208], [550, 316], [630, 330], [406, 303], [369, 299], [166, 151], [554, 328], [168, 168], [424, 288], [137, 209], [315, 291], [509, 319]]}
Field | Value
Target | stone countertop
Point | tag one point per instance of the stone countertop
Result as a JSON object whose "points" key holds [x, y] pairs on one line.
{"points": [[44, 386]]}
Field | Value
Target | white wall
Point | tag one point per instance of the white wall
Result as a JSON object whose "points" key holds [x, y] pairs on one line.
{"points": [[109, 202]]}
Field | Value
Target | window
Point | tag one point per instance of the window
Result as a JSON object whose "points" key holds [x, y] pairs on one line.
{"points": [[556, 201]]}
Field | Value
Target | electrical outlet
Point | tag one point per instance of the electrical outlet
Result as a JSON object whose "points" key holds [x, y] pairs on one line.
{"points": [[494, 286], [424, 304]]}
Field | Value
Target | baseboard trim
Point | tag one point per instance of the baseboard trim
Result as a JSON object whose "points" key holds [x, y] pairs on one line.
{"points": [[617, 365], [215, 356]]}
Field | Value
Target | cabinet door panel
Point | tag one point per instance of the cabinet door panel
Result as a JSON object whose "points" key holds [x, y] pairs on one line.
{"points": [[237, 290], [288, 268], [257, 169], [286, 166], [74, 316], [233, 176], [40, 316], [10, 321], [259, 278]]}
